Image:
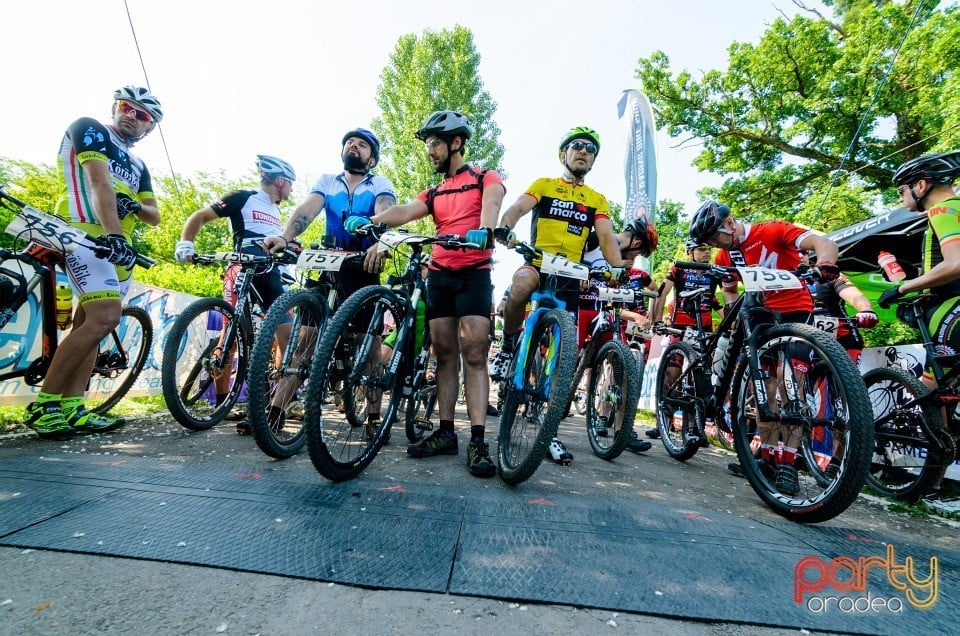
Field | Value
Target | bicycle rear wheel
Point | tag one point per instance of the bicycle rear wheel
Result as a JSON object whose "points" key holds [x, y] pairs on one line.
{"points": [[349, 360], [681, 389], [536, 396], [612, 397], [205, 346], [829, 397], [906, 463], [277, 379], [121, 357]]}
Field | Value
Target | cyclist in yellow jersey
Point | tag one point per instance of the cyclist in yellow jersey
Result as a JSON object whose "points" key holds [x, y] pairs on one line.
{"points": [[565, 210], [104, 189]]}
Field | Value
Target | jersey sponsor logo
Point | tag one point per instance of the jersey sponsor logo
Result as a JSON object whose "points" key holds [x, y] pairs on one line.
{"points": [[568, 211], [125, 174], [941, 210], [91, 135], [576, 230], [266, 217]]}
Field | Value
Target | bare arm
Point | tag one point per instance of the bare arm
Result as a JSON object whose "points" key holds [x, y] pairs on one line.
{"points": [[855, 297], [383, 202], [524, 203], [943, 272], [97, 174], [825, 248], [303, 216], [195, 222], [660, 303], [397, 215], [490, 205], [149, 211]]}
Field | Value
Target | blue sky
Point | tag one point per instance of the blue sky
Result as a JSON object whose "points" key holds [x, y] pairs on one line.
{"points": [[288, 77]]}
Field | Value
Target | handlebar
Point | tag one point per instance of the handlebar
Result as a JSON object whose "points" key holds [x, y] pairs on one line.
{"points": [[54, 233]]}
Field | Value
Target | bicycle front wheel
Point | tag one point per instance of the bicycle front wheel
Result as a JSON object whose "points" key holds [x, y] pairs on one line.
{"points": [[906, 463], [536, 396], [822, 396], [204, 363], [349, 360], [277, 379], [681, 390], [121, 357], [612, 397]]}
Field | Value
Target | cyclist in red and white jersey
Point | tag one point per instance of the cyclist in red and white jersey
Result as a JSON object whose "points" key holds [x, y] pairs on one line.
{"points": [[773, 244]]}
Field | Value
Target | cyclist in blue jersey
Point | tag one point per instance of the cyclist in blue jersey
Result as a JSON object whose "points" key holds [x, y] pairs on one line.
{"points": [[354, 192]]}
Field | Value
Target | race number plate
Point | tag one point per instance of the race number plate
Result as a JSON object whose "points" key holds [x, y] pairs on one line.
{"points": [[235, 257], [554, 264], [45, 229], [391, 239], [323, 260], [828, 324], [765, 279], [617, 295]]}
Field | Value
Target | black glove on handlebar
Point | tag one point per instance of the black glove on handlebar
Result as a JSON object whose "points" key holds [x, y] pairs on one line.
{"points": [[126, 206], [888, 296], [121, 252]]}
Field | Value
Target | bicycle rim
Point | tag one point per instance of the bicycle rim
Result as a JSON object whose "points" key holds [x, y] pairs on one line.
{"points": [[532, 413], [905, 464], [199, 364], [121, 357], [612, 396], [278, 378], [679, 419], [831, 400], [349, 362]]}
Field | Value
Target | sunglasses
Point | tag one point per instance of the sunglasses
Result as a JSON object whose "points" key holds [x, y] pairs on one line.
{"points": [[126, 108], [580, 145], [903, 189]]}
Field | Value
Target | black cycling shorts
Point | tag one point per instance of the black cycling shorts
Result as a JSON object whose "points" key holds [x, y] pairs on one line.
{"points": [[455, 294]]}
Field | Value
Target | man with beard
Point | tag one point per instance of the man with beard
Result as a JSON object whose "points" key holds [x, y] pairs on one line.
{"points": [[354, 192], [459, 289]]}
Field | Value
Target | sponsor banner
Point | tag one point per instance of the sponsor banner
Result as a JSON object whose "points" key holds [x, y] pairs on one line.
{"points": [[20, 342], [639, 159]]}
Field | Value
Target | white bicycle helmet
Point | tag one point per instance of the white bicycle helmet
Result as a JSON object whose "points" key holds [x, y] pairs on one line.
{"points": [[275, 167], [142, 97]]}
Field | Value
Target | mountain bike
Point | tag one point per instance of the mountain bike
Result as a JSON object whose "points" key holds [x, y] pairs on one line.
{"points": [[912, 447], [611, 389], [207, 349], [683, 436], [121, 355], [278, 376], [340, 447], [791, 378], [541, 371]]}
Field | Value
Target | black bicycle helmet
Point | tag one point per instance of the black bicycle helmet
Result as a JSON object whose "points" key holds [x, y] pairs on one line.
{"points": [[446, 124], [643, 230], [939, 168], [368, 137], [707, 221], [692, 244]]}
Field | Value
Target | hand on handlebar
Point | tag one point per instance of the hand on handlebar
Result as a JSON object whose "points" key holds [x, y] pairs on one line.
{"points": [[826, 271], [866, 319], [888, 296], [506, 236], [619, 274], [353, 223], [482, 237], [184, 251]]}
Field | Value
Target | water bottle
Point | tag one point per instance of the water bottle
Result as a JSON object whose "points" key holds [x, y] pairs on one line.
{"points": [[890, 266], [64, 307], [720, 357]]}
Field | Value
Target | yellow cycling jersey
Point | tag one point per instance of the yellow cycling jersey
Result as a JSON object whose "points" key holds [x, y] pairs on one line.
{"points": [[564, 215]]}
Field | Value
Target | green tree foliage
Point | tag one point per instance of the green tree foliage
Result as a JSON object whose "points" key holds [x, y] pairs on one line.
{"points": [[35, 185], [779, 120], [437, 70]]}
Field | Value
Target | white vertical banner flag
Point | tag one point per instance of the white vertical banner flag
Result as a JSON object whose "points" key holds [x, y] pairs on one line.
{"points": [[640, 157]]}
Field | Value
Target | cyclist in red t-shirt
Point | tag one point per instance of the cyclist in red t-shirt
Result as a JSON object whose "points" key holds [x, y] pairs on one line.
{"points": [[773, 244]]}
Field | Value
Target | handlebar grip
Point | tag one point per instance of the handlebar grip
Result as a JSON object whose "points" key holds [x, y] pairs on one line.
{"points": [[694, 265], [145, 261]]}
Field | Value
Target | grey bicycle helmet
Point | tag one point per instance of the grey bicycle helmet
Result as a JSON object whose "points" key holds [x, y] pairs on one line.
{"points": [[939, 168], [446, 124], [707, 221], [141, 96], [692, 244], [368, 137], [275, 167]]}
